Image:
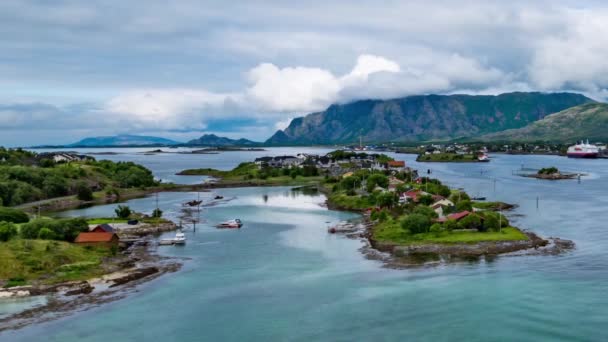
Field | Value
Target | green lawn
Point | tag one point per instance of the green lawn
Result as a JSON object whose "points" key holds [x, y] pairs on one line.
{"points": [[103, 220], [24, 261], [390, 231], [343, 201]]}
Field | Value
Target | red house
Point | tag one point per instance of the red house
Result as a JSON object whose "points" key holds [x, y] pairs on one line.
{"points": [[97, 239]]}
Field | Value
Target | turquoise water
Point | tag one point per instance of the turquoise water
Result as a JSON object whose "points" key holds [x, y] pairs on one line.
{"points": [[282, 277]]}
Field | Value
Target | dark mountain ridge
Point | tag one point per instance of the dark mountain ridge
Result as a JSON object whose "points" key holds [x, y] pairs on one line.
{"points": [[423, 118]]}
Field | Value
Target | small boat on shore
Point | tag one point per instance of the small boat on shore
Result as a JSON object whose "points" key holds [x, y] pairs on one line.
{"points": [[235, 223]]}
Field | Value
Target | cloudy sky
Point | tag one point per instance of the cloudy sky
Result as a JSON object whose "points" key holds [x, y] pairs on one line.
{"points": [[178, 69]]}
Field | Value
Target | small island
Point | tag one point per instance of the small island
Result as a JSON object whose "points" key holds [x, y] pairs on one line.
{"points": [[552, 173], [404, 214], [443, 157]]}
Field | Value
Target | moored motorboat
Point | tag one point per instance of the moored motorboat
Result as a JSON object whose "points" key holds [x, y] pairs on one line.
{"points": [[235, 223], [179, 239]]}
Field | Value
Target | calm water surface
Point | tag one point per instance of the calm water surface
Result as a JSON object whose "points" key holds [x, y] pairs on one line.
{"points": [[282, 277]]}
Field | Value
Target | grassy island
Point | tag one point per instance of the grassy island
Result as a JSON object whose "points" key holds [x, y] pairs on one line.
{"points": [[448, 158], [404, 208]]}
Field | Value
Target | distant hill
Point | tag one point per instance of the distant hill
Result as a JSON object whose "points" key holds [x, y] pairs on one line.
{"points": [[422, 118], [588, 121], [123, 140], [215, 141]]}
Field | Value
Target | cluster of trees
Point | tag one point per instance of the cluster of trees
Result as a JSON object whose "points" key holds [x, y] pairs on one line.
{"points": [[293, 172], [548, 170], [15, 156], [23, 183], [54, 229]]}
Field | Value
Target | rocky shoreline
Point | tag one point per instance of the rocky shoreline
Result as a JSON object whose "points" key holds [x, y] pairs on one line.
{"points": [[138, 264], [417, 255]]}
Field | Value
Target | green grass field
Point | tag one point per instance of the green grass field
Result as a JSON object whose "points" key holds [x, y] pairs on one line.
{"points": [[26, 261], [391, 231]]}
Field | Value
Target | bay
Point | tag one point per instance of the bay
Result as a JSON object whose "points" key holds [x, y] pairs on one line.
{"points": [[283, 278]]}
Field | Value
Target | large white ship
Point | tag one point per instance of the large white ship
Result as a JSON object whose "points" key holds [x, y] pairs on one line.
{"points": [[583, 150]]}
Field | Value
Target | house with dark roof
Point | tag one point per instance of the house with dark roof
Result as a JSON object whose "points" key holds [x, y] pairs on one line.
{"points": [[103, 228], [97, 239]]}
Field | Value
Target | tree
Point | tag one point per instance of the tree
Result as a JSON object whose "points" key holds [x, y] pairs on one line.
{"points": [[426, 211], [7, 231], [436, 229], [46, 234], [464, 205], [450, 225], [55, 186], [386, 199], [426, 199], [416, 223], [471, 221], [123, 211], [84, 192], [13, 215], [157, 213], [376, 180]]}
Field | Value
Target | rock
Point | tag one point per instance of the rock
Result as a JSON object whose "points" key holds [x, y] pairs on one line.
{"points": [[84, 288], [138, 274]]}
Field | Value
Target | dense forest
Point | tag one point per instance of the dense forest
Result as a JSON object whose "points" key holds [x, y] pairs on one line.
{"points": [[25, 177]]}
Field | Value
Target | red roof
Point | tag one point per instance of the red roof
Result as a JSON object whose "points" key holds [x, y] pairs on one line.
{"points": [[396, 163], [94, 237], [458, 216]]}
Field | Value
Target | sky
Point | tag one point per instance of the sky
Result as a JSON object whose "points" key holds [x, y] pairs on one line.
{"points": [[180, 69]]}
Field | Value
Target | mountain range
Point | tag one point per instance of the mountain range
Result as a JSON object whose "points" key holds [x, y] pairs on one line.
{"points": [[588, 121], [123, 140], [215, 141], [423, 118]]}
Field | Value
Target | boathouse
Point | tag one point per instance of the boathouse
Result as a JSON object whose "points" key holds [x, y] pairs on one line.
{"points": [[97, 239]]}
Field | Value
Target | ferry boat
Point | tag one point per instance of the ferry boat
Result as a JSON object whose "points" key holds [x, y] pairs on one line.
{"points": [[583, 150], [235, 223]]}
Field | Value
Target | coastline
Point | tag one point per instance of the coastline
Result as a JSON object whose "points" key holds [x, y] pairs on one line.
{"points": [[142, 265]]}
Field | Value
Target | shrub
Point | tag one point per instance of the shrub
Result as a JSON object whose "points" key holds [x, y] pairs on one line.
{"points": [[13, 215], [376, 180], [426, 211], [46, 234], [7, 231], [63, 229], [123, 211], [471, 222], [157, 213], [425, 199], [84, 192], [450, 225], [436, 228], [464, 205], [416, 223]]}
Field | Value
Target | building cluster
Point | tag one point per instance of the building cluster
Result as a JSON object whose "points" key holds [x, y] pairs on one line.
{"points": [[62, 157], [335, 165]]}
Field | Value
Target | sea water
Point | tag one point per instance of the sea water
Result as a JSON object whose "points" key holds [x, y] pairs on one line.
{"points": [[283, 278]]}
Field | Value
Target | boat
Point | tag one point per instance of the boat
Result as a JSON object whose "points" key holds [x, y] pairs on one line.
{"points": [[583, 150], [192, 203], [478, 198], [218, 197], [482, 157], [235, 223], [179, 239]]}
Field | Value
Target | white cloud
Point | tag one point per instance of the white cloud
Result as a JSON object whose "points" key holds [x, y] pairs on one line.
{"points": [[298, 89]]}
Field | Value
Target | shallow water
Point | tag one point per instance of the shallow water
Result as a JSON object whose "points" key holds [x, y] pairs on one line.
{"points": [[282, 277]]}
